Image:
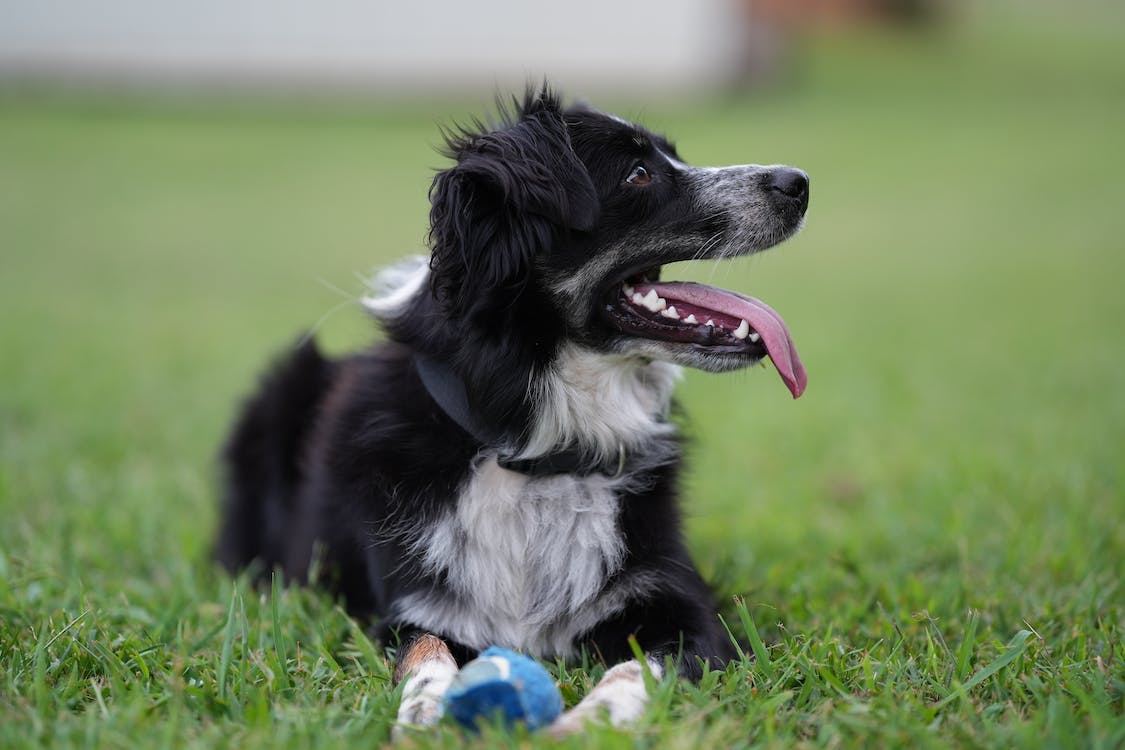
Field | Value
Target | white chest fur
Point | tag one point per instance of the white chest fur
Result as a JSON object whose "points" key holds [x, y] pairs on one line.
{"points": [[601, 402], [527, 559]]}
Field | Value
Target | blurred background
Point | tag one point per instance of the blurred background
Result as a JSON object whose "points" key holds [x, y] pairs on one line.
{"points": [[185, 187], [669, 47]]}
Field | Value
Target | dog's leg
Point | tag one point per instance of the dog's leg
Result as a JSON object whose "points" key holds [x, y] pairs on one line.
{"points": [[427, 667], [621, 694]]}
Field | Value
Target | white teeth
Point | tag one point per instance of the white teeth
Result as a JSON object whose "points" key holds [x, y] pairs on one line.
{"points": [[755, 337], [654, 301], [710, 323], [638, 298], [628, 290], [691, 319], [670, 313], [742, 331]]}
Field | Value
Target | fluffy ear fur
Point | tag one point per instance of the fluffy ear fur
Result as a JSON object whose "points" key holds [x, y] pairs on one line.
{"points": [[513, 190]]}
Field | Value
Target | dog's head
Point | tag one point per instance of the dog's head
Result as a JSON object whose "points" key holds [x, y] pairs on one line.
{"points": [[556, 224]]}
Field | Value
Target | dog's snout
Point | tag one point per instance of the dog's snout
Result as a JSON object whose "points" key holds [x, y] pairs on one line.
{"points": [[790, 182]]}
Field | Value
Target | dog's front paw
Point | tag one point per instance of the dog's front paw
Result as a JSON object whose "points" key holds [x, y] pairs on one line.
{"points": [[620, 698], [427, 668], [572, 722], [416, 713]]}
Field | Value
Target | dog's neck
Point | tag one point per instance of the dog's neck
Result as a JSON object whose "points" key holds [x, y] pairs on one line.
{"points": [[593, 413], [599, 404]]}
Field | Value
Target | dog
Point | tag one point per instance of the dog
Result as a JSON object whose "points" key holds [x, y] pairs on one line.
{"points": [[503, 469]]}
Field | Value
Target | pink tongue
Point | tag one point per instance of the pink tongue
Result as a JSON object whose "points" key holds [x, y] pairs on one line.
{"points": [[775, 335]]}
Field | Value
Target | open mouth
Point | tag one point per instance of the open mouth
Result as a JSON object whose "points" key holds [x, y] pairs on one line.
{"points": [[705, 317]]}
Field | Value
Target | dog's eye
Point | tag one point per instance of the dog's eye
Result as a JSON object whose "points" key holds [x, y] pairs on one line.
{"points": [[639, 176]]}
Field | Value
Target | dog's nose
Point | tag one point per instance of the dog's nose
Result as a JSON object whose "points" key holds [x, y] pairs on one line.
{"points": [[791, 182]]}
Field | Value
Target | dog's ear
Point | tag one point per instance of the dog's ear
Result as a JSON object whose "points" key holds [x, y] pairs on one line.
{"points": [[514, 192]]}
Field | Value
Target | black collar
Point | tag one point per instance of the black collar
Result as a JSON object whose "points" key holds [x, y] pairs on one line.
{"points": [[448, 390]]}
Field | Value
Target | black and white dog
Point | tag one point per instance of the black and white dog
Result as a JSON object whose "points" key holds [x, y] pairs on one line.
{"points": [[503, 469]]}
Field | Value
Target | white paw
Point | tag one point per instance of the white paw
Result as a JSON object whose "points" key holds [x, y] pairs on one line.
{"points": [[571, 722], [416, 713]]}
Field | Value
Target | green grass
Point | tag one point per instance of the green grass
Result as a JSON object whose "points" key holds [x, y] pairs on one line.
{"points": [[928, 546]]}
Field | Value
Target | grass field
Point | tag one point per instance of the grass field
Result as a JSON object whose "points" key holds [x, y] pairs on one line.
{"points": [[929, 546]]}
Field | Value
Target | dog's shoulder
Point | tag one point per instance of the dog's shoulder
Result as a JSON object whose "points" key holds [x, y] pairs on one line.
{"points": [[378, 429]]}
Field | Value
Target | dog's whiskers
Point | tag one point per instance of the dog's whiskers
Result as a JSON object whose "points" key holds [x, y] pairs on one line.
{"points": [[708, 244], [315, 327]]}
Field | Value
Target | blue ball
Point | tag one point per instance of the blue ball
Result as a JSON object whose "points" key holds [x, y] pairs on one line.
{"points": [[505, 684]]}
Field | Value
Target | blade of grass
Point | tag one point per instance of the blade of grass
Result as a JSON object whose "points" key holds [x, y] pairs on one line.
{"points": [[646, 671], [39, 679], [733, 640], [279, 648], [1014, 650], [761, 654], [965, 652], [228, 647]]}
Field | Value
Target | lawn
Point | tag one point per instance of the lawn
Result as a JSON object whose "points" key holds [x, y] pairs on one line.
{"points": [[928, 548]]}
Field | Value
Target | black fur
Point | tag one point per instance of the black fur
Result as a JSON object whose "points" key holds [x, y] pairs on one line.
{"points": [[349, 460]]}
